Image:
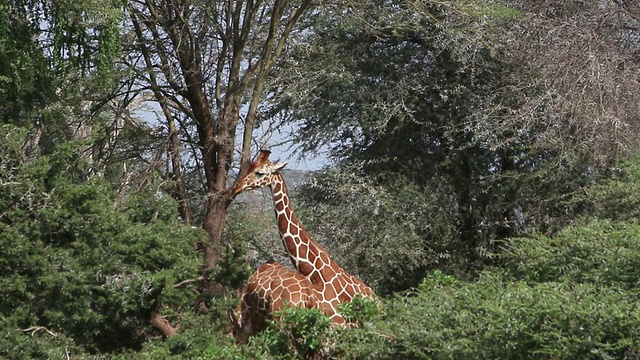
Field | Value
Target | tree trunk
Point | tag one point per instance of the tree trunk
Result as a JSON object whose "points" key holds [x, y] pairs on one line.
{"points": [[214, 225]]}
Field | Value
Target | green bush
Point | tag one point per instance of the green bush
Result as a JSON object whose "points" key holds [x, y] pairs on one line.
{"points": [[298, 334], [573, 296], [617, 197], [597, 252], [494, 318], [78, 264]]}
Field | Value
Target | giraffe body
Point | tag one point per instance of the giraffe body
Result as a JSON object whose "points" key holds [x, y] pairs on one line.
{"points": [[270, 289], [333, 284]]}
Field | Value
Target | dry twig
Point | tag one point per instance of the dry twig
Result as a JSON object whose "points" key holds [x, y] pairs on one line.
{"points": [[35, 329]]}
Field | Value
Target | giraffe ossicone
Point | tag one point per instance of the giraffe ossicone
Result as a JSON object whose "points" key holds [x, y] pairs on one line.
{"points": [[333, 284]]}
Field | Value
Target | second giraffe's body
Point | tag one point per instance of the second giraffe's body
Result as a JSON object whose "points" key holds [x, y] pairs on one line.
{"points": [[333, 283]]}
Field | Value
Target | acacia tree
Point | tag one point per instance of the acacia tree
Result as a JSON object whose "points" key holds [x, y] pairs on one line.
{"points": [[503, 110], [206, 65], [200, 62], [55, 60], [577, 116], [398, 106]]}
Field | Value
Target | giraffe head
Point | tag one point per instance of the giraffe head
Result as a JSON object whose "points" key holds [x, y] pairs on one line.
{"points": [[261, 173]]}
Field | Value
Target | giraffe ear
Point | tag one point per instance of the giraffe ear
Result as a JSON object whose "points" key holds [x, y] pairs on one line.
{"points": [[278, 166]]}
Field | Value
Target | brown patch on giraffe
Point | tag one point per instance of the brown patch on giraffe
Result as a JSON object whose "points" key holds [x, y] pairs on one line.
{"points": [[339, 320], [338, 270], [290, 245], [301, 251], [277, 187], [316, 279], [349, 292], [277, 304], [344, 297], [288, 282], [294, 230], [324, 257], [305, 268], [329, 291], [313, 253], [334, 304], [328, 273], [279, 206], [326, 308], [287, 212]]}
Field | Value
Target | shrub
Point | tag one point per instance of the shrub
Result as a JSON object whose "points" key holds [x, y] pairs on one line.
{"points": [[597, 252], [496, 319], [297, 334], [79, 264]]}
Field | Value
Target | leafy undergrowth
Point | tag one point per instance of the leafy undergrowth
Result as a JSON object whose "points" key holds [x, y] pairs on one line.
{"points": [[574, 296]]}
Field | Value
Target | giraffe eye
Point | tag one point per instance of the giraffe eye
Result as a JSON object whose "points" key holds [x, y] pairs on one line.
{"points": [[261, 173]]}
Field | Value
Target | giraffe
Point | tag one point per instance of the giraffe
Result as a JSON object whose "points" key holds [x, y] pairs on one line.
{"points": [[333, 284], [270, 289]]}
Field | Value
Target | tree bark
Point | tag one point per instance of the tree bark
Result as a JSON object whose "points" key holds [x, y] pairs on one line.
{"points": [[162, 325]]}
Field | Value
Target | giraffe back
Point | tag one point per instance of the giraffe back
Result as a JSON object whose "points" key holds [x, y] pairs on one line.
{"points": [[270, 289]]}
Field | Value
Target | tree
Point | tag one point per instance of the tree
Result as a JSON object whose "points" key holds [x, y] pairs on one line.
{"points": [[399, 103], [387, 234], [206, 66], [79, 72], [46, 48], [477, 102]]}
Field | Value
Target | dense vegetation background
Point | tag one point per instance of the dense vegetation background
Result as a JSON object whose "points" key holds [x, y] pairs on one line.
{"points": [[482, 174]]}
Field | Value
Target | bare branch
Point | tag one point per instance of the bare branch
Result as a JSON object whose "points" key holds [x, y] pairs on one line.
{"points": [[35, 329], [189, 281]]}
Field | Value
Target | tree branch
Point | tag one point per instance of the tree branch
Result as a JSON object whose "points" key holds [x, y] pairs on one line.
{"points": [[35, 329], [163, 325], [189, 281]]}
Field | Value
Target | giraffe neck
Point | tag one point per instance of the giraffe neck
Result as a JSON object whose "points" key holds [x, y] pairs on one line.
{"points": [[334, 285], [307, 256]]}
